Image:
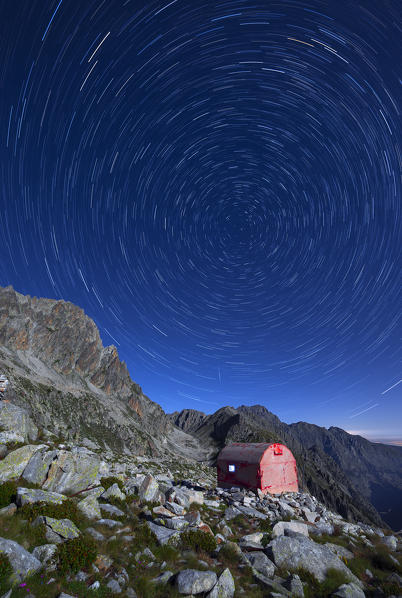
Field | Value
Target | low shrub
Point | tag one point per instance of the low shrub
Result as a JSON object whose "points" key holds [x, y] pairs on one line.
{"points": [[265, 526], [198, 540], [5, 571], [8, 493], [334, 578], [229, 554], [76, 554], [66, 510], [146, 589]]}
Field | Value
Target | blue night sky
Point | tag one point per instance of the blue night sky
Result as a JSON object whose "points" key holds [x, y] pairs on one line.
{"points": [[216, 183]]}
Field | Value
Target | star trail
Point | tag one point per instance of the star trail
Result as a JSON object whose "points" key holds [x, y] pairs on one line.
{"points": [[217, 184]]}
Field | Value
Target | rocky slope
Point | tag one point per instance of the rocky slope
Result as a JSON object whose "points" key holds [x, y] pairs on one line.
{"points": [[74, 522], [344, 471], [58, 368]]}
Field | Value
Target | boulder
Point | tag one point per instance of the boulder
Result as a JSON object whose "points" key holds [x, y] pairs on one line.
{"points": [[112, 510], [193, 517], [22, 562], [177, 523], [231, 513], [225, 587], [163, 577], [340, 551], [320, 528], [45, 554], [9, 509], [175, 508], [273, 586], [89, 506], [349, 590], [261, 563], [299, 551], [29, 496], [390, 541], [12, 466], [14, 418], [149, 489], [295, 586], [114, 491], [57, 530], [282, 527], [109, 523], [309, 515], [163, 535], [162, 512], [38, 466], [93, 492], [193, 496], [11, 437], [191, 581], [251, 512], [72, 471], [114, 586], [179, 497], [95, 534]]}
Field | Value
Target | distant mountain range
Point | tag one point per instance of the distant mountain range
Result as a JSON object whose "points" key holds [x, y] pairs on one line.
{"points": [[58, 368]]}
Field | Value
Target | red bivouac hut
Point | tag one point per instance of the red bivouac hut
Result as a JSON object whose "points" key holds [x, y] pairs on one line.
{"points": [[269, 467]]}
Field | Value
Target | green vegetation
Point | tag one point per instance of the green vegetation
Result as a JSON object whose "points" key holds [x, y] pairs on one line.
{"points": [[334, 578], [66, 510], [5, 571], [76, 554], [198, 540], [8, 493], [107, 482]]}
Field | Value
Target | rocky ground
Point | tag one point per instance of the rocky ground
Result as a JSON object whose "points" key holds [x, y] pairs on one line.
{"points": [[78, 521]]}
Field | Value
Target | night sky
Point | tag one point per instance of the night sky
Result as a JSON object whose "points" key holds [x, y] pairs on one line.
{"points": [[217, 185]]}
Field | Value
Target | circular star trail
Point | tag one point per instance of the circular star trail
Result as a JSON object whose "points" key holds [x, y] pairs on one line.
{"points": [[217, 185]]}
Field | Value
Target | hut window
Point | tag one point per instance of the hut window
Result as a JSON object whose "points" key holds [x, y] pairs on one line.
{"points": [[231, 468]]}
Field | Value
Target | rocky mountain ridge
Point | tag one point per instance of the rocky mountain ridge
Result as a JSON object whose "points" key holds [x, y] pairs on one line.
{"points": [[58, 368], [344, 471]]}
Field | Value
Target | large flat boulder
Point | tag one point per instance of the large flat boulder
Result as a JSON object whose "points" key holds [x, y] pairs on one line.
{"points": [[12, 466], [261, 563], [72, 471], [281, 528], [22, 562], [29, 496], [299, 551], [16, 419], [90, 507], [191, 581], [164, 535], [38, 466]]}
